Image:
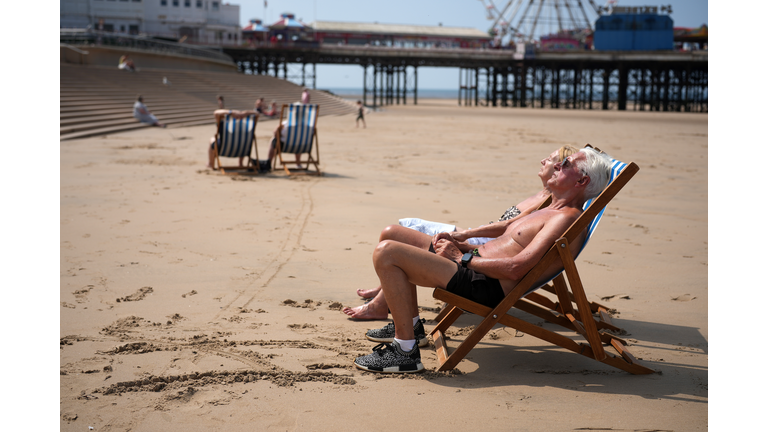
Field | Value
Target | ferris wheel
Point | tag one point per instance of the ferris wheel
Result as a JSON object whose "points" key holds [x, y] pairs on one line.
{"points": [[524, 20]]}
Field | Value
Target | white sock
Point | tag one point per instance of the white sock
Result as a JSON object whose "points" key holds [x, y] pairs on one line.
{"points": [[406, 345], [416, 319]]}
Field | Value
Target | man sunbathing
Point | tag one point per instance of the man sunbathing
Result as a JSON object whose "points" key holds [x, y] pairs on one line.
{"points": [[486, 274], [377, 307]]}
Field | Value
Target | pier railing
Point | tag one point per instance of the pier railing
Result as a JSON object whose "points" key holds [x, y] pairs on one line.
{"points": [[80, 37]]}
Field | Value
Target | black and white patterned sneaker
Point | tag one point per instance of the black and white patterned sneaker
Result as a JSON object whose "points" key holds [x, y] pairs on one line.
{"points": [[390, 358], [386, 334]]}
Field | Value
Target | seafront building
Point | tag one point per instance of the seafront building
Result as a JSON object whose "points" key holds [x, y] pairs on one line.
{"points": [[196, 21]]}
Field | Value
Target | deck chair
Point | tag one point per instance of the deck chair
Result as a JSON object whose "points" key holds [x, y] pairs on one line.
{"points": [[236, 138], [300, 132], [571, 311]]}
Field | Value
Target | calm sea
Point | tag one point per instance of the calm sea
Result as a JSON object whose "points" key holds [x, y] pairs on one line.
{"points": [[357, 93]]}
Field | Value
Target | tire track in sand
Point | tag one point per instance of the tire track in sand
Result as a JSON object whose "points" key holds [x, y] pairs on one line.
{"points": [[289, 247]]}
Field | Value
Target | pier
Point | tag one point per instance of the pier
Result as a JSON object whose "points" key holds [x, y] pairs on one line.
{"points": [[606, 80]]}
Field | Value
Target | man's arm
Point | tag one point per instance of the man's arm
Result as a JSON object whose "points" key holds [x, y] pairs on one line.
{"points": [[515, 267], [492, 230]]}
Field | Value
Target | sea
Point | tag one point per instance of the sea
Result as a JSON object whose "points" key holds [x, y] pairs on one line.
{"points": [[357, 93], [354, 94]]}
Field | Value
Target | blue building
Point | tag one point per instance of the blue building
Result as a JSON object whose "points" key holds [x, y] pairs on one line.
{"points": [[634, 32]]}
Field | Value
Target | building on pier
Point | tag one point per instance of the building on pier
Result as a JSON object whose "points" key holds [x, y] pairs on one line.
{"points": [[398, 35]]}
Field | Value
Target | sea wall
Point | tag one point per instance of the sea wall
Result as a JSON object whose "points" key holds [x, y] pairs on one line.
{"points": [[95, 55]]}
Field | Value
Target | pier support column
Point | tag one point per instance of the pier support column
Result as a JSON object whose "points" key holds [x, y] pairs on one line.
{"points": [[623, 86]]}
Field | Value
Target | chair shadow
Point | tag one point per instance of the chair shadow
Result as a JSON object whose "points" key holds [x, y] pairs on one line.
{"points": [[545, 365], [274, 174]]}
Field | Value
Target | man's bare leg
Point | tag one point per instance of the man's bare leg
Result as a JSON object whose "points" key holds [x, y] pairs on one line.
{"points": [[401, 268], [403, 235], [211, 154]]}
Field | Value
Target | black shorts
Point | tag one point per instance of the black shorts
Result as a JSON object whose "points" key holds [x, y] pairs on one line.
{"points": [[476, 287]]}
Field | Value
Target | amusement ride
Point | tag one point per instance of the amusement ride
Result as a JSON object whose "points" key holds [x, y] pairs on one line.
{"points": [[525, 20]]}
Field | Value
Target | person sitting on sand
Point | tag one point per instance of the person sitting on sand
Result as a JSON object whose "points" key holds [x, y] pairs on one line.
{"points": [[377, 308], [219, 115], [142, 114], [483, 275], [259, 106], [272, 110]]}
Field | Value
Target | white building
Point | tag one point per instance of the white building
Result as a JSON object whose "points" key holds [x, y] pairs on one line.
{"points": [[197, 21]]}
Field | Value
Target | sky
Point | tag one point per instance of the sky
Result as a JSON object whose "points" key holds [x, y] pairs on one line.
{"points": [[451, 13]]}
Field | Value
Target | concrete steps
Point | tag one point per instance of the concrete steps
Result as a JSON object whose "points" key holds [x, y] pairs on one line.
{"points": [[96, 100]]}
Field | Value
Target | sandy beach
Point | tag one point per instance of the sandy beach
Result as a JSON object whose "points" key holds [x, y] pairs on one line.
{"points": [[195, 301]]}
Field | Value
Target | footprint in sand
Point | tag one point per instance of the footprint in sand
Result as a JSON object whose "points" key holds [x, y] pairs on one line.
{"points": [[138, 295], [683, 298], [611, 297], [307, 304]]}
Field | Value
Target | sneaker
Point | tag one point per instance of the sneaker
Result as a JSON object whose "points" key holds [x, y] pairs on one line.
{"points": [[390, 358], [386, 334]]}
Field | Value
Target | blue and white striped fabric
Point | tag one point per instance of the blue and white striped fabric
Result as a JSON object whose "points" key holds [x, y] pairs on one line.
{"points": [[299, 129], [616, 168], [236, 136]]}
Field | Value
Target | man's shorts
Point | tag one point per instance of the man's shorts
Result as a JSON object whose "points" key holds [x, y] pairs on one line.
{"points": [[476, 287]]}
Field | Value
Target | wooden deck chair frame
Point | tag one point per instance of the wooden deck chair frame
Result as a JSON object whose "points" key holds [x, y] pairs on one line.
{"points": [[231, 135], [578, 319], [306, 117]]}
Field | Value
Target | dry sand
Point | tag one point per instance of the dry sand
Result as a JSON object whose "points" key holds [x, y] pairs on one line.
{"points": [[194, 301]]}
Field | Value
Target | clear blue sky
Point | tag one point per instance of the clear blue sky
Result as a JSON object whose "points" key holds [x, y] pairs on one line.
{"points": [[453, 13]]}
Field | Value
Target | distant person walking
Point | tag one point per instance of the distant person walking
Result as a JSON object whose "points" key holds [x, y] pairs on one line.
{"points": [[142, 114], [305, 96], [360, 110]]}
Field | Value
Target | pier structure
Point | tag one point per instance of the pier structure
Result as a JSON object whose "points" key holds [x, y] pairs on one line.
{"points": [[655, 81]]}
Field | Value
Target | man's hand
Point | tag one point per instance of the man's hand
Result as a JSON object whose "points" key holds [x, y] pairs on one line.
{"points": [[445, 236], [447, 249], [460, 244]]}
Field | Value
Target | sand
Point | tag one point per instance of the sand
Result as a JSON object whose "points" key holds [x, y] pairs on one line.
{"points": [[195, 301]]}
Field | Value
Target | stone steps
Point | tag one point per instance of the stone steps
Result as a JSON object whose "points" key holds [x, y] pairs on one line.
{"points": [[96, 100]]}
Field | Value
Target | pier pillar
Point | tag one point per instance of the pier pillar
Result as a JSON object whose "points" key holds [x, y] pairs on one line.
{"points": [[623, 87]]}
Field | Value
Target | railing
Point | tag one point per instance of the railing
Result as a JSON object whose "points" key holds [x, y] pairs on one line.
{"points": [[88, 38]]}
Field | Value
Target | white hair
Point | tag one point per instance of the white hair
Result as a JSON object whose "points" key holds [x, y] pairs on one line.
{"points": [[597, 166]]}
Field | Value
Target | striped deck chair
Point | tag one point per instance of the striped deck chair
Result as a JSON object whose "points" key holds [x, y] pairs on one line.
{"points": [[300, 133], [236, 138], [572, 310]]}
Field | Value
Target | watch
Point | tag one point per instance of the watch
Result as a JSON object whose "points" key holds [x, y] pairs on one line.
{"points": [[466, 259]]}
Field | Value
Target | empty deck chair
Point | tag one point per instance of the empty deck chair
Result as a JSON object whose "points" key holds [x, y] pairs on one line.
{"points": [[235, 138], [298, 136], [572, 310]]}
